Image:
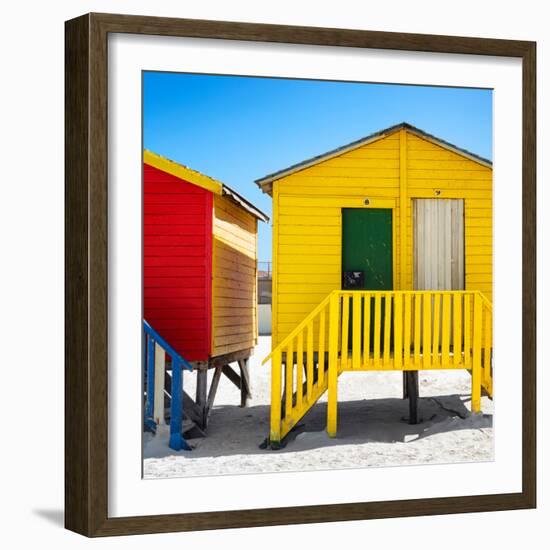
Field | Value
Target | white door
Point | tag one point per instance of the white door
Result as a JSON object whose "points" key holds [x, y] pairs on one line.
{"points": [[438, 244]]}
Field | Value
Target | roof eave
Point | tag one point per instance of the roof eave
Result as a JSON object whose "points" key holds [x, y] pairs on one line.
{"points": [[244, 204], [200, 180], [266, 183]]}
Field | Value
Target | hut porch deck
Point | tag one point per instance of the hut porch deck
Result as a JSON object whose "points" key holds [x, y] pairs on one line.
{"points": [[404, 331]]}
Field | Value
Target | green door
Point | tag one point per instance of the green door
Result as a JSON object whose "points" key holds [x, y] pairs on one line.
{"points": [[367, 247]]}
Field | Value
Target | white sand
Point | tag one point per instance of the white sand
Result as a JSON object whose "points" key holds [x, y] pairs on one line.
{"points": [[371, 428]]}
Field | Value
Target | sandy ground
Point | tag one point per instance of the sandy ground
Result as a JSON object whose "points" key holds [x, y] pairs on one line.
{"points": [[372, 430]]}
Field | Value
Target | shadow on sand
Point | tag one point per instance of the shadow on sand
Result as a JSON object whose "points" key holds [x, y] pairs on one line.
{"points": [[233, 430]]}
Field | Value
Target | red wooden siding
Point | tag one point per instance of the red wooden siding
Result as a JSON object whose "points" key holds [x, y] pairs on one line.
{"points": [[177, 262]]}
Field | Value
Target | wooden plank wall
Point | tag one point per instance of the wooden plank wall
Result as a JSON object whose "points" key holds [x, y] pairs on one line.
{"points": [[177, 244], [309, 226], [432, 168], [234, 282], [307, 205]]}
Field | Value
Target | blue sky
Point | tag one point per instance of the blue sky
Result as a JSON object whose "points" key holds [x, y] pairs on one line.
{"points": [[238, 129]]}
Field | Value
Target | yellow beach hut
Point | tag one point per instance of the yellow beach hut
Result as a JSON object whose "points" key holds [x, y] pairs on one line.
{"points": [[382, 260]]}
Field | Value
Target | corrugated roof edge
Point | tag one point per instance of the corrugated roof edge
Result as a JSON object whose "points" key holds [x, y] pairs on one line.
{"points": [[266, 180], [241, 201]]}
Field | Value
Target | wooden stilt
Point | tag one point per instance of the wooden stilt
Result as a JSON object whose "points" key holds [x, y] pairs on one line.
{"points": [[201, 400], [245, 382], [412, 392]]}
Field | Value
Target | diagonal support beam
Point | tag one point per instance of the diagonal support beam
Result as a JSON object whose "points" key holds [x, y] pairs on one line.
{"points": [[232, 375], [214, 388], [190, 409]]}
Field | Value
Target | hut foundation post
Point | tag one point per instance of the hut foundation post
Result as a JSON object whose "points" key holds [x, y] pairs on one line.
{"points": [[412, 393], [245, 382], [201, 397]]}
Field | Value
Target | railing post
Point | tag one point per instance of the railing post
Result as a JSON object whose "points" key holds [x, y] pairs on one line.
{"points": [[476, 363], [487, 376], [155, 349], [275, 427], [398, 331], [289, 379], [177, 442], [334, 324], [158, 409], [150, 386], [427, 331], [309, 362]]}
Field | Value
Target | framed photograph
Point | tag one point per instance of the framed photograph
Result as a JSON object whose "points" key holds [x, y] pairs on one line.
{"points": [[300, 274]]}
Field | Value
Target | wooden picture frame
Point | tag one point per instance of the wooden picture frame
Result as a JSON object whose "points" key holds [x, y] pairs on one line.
{"points": [[86, 283]]}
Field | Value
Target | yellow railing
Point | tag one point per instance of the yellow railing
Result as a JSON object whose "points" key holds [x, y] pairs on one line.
{"points": [[378, 330], [299, 371]]}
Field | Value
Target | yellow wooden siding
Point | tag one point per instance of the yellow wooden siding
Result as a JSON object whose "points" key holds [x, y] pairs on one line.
{"points": [[308, 227], [234, 293], [307, 209], [432, 168]]}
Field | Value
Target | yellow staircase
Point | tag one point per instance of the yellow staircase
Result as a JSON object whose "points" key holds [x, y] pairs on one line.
{"points": [[394, 330]]}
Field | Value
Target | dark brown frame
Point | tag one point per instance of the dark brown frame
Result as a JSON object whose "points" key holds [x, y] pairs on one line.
{"points": [[86, 274]]}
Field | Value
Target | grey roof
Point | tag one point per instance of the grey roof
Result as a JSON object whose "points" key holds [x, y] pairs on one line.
{"points": [[265, 182]]}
